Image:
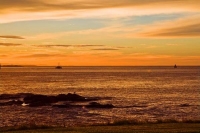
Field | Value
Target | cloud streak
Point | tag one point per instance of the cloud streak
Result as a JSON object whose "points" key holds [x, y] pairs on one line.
{"points": [[187, 27], [39, 55], [44, 5], [192, 30], [49, 46], [105, 49], [9, 44], [76, 46], [88, 45], [42, 9], [2, 56], [12, 37]]}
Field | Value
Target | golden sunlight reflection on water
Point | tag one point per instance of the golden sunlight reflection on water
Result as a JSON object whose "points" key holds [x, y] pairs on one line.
{"points": [[141, 93]]}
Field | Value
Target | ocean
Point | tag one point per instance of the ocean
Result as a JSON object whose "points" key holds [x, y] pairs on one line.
{"points": [[142, 94]]}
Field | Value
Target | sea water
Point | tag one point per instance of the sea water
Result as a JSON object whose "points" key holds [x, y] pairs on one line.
{"points": [[140, 93]]}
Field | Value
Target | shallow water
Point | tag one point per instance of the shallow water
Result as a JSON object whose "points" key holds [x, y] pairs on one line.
{"points": [[153, 92]]}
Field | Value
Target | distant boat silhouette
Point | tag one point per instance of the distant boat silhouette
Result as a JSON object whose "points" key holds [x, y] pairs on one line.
{"points": [[0, 66], [58, 66], [175, 66]]}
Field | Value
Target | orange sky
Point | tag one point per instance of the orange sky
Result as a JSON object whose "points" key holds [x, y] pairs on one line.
{"points": [[100, 33]]}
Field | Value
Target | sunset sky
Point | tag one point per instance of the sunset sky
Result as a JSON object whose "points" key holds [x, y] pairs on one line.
{"points": [[100, 32]]}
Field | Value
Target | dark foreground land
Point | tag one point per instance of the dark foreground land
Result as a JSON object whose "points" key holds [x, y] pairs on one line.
{"points": [[68, 100], [142, 128]]}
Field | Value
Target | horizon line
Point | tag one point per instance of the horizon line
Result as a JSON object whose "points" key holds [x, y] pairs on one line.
{"points": [[99, 65]]}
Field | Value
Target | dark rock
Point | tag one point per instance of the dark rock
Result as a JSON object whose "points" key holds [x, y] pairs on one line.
{"points": [[184, 105], [70, 97], [14, 96], [44, 100], [8, 96], [16, 102], [35, 100], [37, 104], [98, 105], [12, 102], [62, 105], [39, 100], [67, 105]]}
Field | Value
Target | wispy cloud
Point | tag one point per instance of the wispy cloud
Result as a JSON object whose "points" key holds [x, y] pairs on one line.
{"points": [[3, 55], [48, 46], [76, 46], [10, 44], [105, 49], [12, 37], [88, 45], [20, 10], [43, 5], [122, 47], [192, 30], [39, 55], [186, 27]]}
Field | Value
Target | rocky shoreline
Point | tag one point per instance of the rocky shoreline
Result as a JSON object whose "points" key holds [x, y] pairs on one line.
{"points": [[60, 101]]}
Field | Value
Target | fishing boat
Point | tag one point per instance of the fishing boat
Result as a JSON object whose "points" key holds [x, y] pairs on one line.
{"points": [[58, 66], [175, 66]]}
